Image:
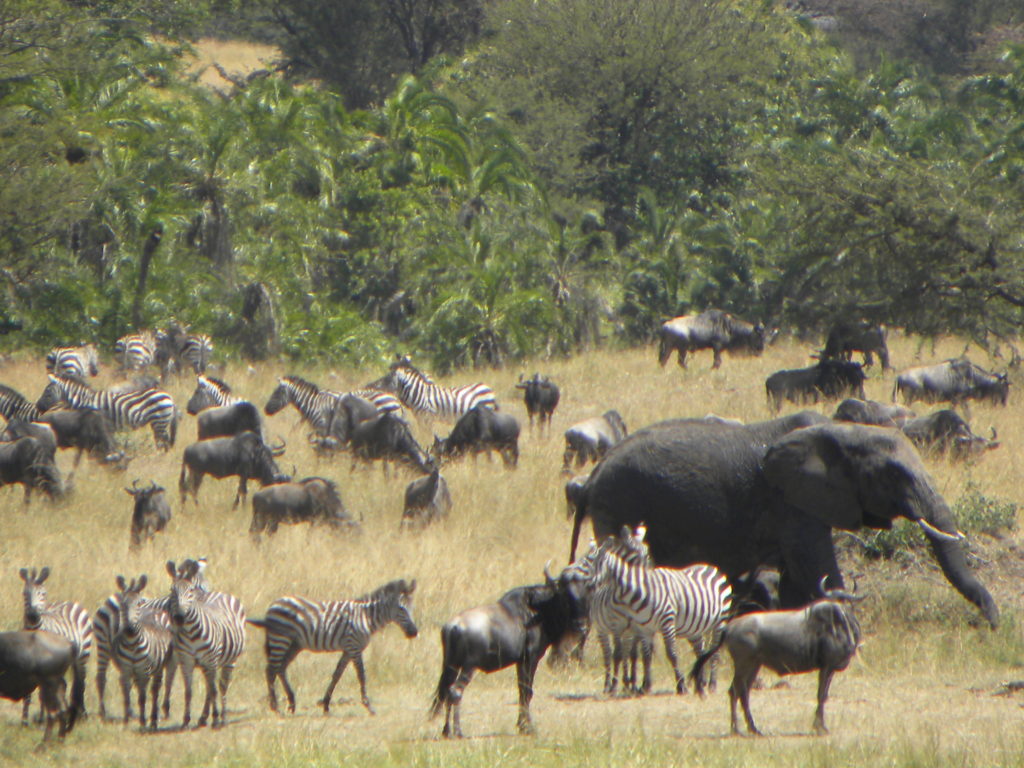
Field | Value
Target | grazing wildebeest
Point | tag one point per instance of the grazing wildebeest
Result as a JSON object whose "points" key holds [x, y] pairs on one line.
{"points": [[88, 430], [18, 428], [426, 499], [229, 420], [387, 437], [847, 337], [245, 456], [871, 412], [481, 430], [541, 397], [518, 629], [827, 380], [712, 329], [589, 440], [822, 636], [150, 513], [29, 462], [574, 490], [310, 500], [944, 431], [31, 659], [349, 411], [954, 381]]}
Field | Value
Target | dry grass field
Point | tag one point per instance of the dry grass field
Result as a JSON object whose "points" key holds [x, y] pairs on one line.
{"points": [[920, 693]]}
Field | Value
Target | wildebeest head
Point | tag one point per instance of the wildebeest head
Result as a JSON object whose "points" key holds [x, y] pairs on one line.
{"points": [[559, 607], [34, 593]]}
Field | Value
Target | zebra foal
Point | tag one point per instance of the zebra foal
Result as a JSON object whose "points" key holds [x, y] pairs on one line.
{"points": [[208, 632], [67, 619], [294, 624], [141, 647]]}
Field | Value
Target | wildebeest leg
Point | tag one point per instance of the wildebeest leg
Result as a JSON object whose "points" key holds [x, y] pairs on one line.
{"points": [[824, 681], [742, 682], [325, 702], [525, 671], [241, 493], [718, 357], [454, 703], [681, 357], [361, 674]]}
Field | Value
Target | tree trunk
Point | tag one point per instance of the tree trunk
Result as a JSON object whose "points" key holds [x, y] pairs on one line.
{"points": [[148, 250]]}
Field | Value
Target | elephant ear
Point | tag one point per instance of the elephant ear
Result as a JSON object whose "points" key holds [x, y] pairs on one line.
{"points": [[810, 471]]}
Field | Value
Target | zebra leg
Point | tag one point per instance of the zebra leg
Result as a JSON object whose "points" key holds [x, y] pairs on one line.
{"points": [[210, 675], [142, 684], [361, 674], [647, 647], [172, 666], [282, 672], [188, 666], [225, 681], [325, 702], [617, 662], [126, 696], [606, 655], [669, 636], [102, 661], [157, 678]]}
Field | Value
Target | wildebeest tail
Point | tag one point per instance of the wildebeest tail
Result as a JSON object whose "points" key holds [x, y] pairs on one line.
{"points": [[77, 705], [449, 673], [702, 659]]}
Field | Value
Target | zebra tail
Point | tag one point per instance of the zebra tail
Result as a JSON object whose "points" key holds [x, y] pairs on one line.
{"points": [[77, 695], [449, 673], [261, 623]]}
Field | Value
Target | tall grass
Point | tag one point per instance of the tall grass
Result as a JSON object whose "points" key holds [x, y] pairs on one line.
{"points": [[919, 694]]}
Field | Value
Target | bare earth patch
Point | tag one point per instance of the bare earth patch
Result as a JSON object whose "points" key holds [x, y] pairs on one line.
{"points": [[238, 58]]}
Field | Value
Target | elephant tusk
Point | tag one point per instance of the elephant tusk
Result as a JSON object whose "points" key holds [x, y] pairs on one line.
{"points": [[931, 530]]}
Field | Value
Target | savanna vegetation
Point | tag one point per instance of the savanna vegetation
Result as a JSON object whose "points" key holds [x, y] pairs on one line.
{"points": [[923, 691], [479, 181]]}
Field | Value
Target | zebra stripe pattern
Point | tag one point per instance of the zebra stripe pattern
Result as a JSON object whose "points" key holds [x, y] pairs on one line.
{"points": [[14, 405], [634, 600], [294, 624], [209, 632], [68, 619], [126, 410], [210, 393], [317, 405], [136, 350], [73, 361], [142, 647], [196, 351], [418, 392]]}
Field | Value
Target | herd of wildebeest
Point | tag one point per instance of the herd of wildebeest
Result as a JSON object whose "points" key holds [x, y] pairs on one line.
{"points": [[702, 527]]}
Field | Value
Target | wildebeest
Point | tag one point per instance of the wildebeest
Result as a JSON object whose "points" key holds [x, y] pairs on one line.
{"points": [[518, 629], [589, 440], [426, 499], [954, 381], [229, 420], [28, 462], [88, 430], [849, 336], [347, 413], [18, 428], [245, 456], [481, 430], [310, 500], [871, 412], [387, 437], [946, 431], [31, 659], [574, 489], [150, 512], [827, 380], [541, 397], [822, 636], [712, 329]]}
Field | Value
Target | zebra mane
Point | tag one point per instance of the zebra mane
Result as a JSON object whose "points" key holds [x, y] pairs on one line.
{"points": [[300, 383], [389, 591], [405, 364], [13, 394], [217, 384], [73, 380]]}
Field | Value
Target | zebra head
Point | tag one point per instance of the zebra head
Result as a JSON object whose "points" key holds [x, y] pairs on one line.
{"points": [[209, 393], [290, 389], [34, 594], [130, 600], [53, 394], [394, 602], [187, 589]]}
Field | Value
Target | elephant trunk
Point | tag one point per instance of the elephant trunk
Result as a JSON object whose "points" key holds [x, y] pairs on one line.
{"points": [[948, 547]]}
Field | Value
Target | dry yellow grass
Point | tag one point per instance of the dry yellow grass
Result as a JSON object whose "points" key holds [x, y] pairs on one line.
{"points": [[237, 57], [920, 693]]}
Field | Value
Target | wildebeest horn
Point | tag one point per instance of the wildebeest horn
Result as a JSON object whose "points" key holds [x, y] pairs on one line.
{"points": [[995, 435], [931, 530], [547, 574], [277, 450]]}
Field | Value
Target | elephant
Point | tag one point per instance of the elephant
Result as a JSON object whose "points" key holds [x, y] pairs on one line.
{"points": [[769, 495]]}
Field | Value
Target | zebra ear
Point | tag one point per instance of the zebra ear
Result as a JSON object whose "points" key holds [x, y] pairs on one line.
{"points": [[172, 569], [143, 579], [120, 583], [412, 587], [43, 574], [24, 574]]}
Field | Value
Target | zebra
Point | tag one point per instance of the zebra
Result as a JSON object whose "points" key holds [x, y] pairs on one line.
{"points": [[633, 600], [210, 392], [317, 405], [209, 631], [196, 350], [73, 361], [294, 624], [418, 392], [132, 409], [67, 619], [141, 647], [107, 622], [14, 405], [136, 350]]}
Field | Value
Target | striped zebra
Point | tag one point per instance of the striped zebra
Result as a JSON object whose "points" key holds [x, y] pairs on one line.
{"points": [[77, 361], [419, 393], [125, 409], [136, 351], [14, 405], [209, 632], [210, 392], [68, 619], [316, 405], [294, 624], [141, 647], [196, 350], [633, 600], [107, 622]]}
